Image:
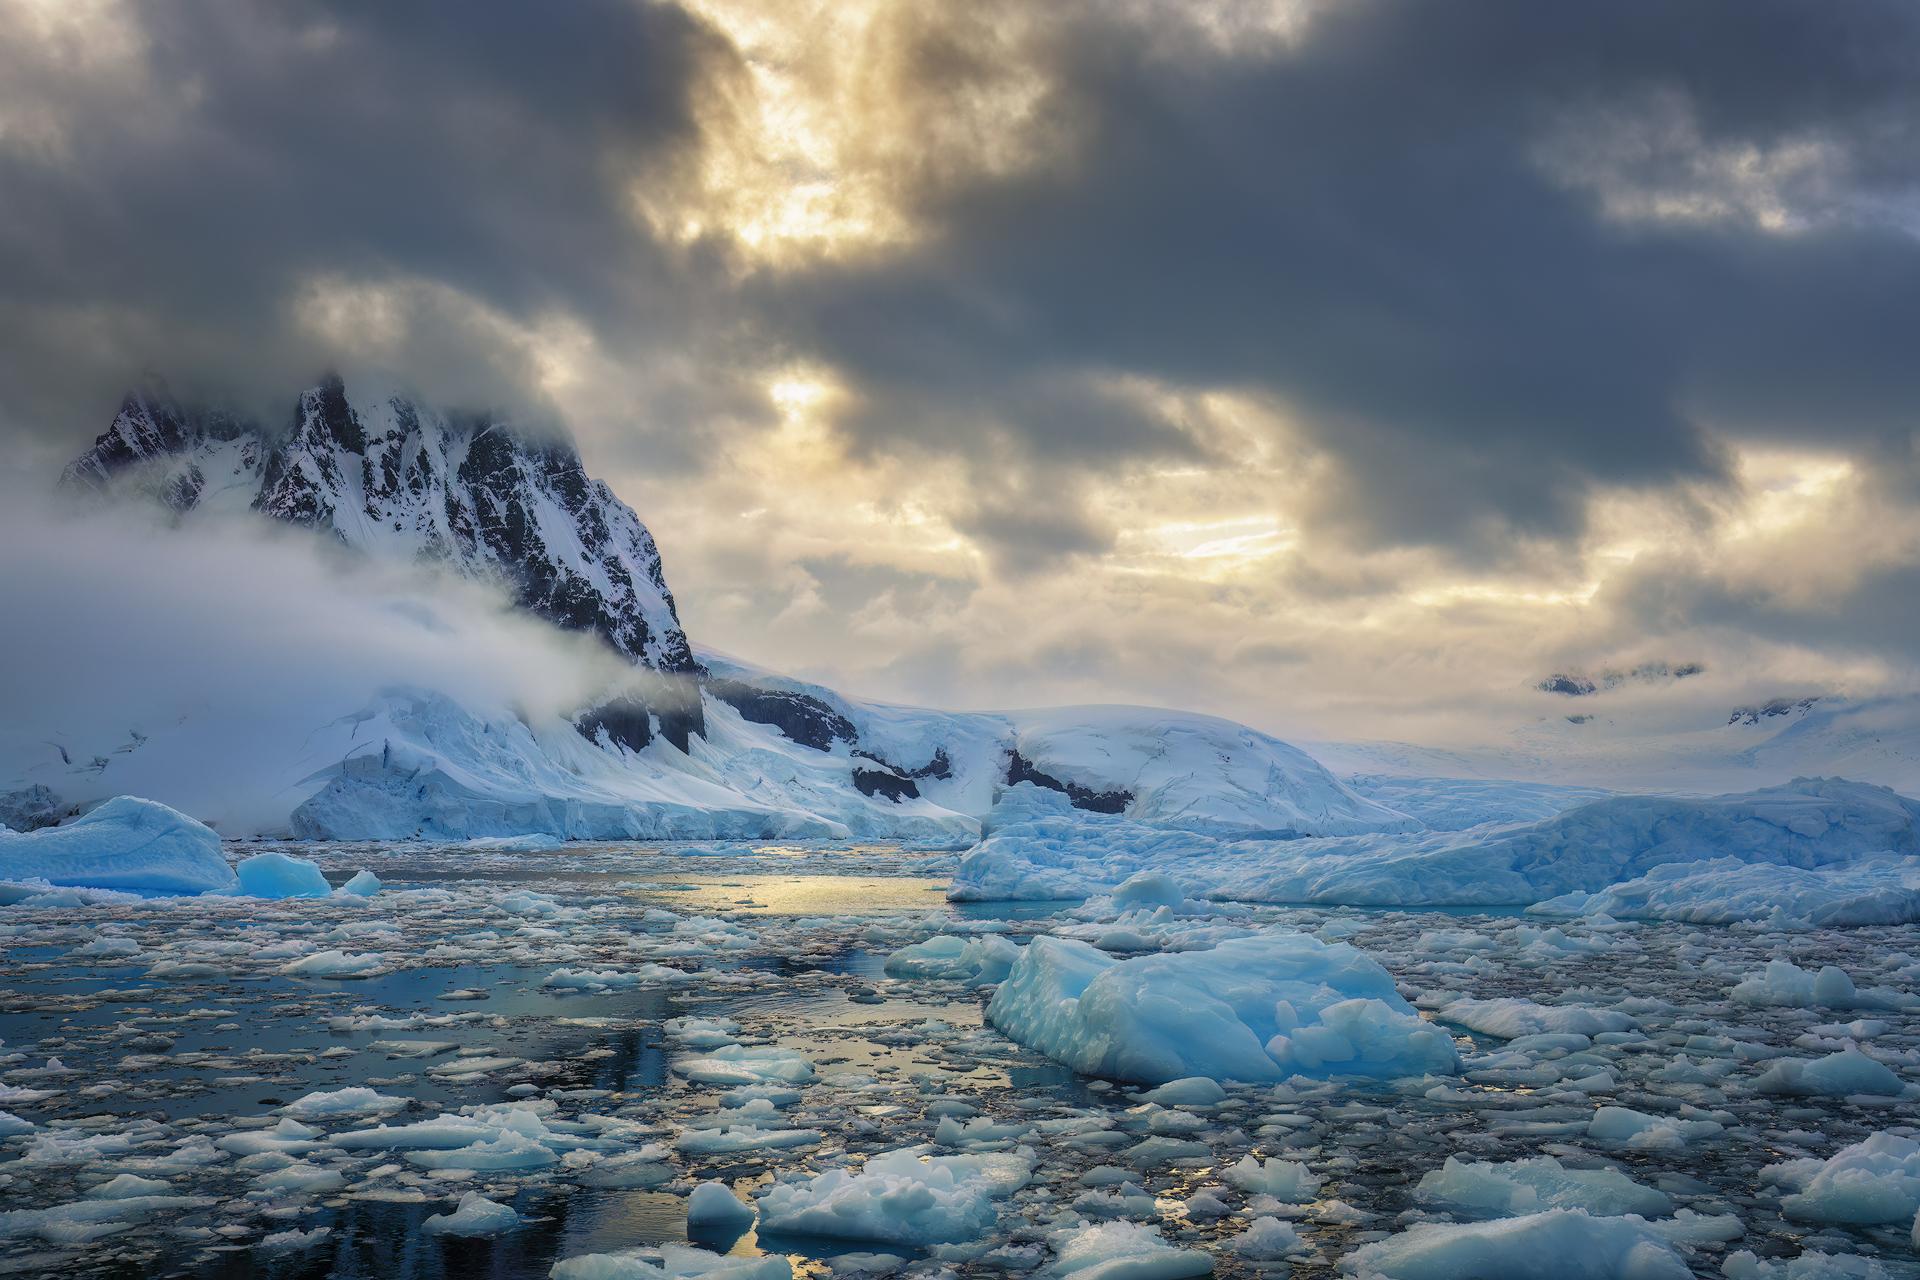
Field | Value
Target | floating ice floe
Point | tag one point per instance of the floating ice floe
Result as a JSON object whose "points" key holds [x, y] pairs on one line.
{"points": [[1267, 1240], [1567, 1244], [126, 843], [1122, 1251], [1876, 1180], [275, 875], [714, 1209], [1517, 1187], [1838, 1075], [1512, 1018], [611, 979], [1287, 1181], [334, 963], [1784, 983], [987, 958], [355, 1100], [1258, 1008], [1811, 1265], [900, 1197], [474, 1216], [1640, 1130], [737, 1064], [671, 1262]]}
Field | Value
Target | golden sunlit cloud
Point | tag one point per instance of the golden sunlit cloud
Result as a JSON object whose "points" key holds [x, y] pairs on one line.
{"points": [[813, 142]]}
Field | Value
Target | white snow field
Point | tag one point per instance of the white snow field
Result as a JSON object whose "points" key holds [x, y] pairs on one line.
{"points": [[680, 1061]]}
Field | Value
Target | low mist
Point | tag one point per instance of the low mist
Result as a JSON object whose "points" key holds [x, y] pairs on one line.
{"points": [[190, 663]]}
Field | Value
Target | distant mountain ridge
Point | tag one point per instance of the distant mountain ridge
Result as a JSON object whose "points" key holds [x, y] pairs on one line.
{"points": [[400, 480]]}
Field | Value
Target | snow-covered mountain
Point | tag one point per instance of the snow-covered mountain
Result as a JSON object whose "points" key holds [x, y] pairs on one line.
{"points": [[1761, 744], [399, 480], [679, 749]]}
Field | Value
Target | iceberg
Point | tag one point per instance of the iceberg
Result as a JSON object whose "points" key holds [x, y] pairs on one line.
{"points": [[126, 843], [1259, 1008], [275, 875]]}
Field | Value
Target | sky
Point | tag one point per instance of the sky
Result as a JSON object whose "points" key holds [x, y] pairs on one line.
{"points": [[1344, 368]]}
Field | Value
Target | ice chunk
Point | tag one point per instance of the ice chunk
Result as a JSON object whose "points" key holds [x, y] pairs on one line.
{"points": [[1191, 1091], [1812, 1265], [292, 1238], [1785, 984], [1837, 1075], [903, 1197], [355, 1100], [336, 964], [1638, 1129], [1876, 1180], [612, 979], [1528, 1186], [275, 875], [1564, 1243], [671, 1262], [127, 1185], [987, 958], [1512, 1018], [302, 1178], [1258, 1008], [364, 884], [126, 843], [713, 1209], [1285, 1180], [1148, 889], [1268, 1239], [747, 1064], [733, 1139], [1122, 1251], [475, 1216]]}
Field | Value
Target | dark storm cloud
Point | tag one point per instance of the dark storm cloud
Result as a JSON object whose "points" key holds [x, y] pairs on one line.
{"points": [[481, 147], [1876, 614], [1365, 228], [1394, 229]]}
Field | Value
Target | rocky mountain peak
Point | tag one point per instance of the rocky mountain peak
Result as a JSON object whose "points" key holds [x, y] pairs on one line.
{"points": [[400, 480]]}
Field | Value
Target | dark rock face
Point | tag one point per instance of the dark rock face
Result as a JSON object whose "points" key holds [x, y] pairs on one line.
{"points": [[800, 717], [395, 479], [623, 722], [34, 807], [1574, 685], [1769, 709], [884, 782], [1020, 769], [939, 767]]}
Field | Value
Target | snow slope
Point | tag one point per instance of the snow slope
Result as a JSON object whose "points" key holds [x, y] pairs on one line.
{"points": [[419, 764]]}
